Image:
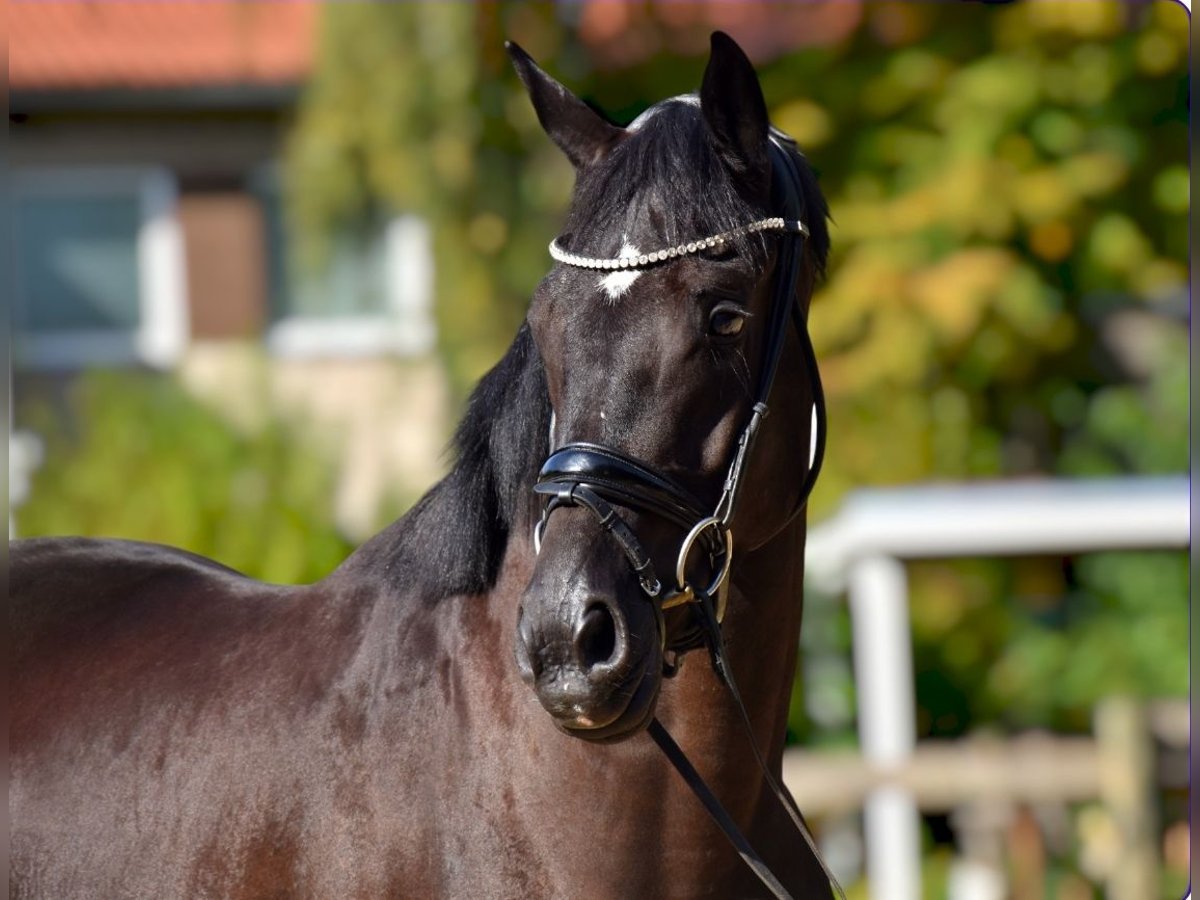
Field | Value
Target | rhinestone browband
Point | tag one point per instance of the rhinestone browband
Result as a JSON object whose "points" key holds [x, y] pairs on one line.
{"points": [[776, 223]]}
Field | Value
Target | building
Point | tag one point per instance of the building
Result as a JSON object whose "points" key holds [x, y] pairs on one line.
{"points": [[149, 231]]}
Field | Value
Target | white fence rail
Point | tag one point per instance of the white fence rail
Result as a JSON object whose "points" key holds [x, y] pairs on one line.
{"points": [[861, 551]]}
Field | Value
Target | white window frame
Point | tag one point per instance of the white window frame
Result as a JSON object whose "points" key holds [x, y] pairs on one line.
{"points": [[161, 336], [405, 328]]}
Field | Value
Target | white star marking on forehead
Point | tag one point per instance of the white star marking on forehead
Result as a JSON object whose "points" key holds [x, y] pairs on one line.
{"points": [[617, 284]]}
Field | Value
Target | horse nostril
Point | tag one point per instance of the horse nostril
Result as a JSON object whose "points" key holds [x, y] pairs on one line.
{"points": [[595, 637]]}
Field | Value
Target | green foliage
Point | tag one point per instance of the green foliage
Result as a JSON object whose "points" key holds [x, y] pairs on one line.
{"points": [[414, 107], [1006, 297], [1061, 639], [135, 456], [990, 192]]}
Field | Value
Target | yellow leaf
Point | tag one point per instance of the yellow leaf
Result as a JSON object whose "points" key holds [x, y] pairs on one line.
{"points": [[954, 293], [808, 123], [1090, 174], [1043, 194]]}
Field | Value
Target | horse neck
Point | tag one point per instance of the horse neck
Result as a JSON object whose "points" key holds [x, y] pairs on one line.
{"points": [[761, 630]]}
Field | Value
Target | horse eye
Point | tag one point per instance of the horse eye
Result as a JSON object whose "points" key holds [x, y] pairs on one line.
{"points": [[726, 322]]}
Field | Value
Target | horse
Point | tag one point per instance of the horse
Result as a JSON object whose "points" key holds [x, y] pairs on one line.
{"points": [[463, 707]]}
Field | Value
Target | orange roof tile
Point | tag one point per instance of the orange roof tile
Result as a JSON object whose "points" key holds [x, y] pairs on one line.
{"points": [[620, 33], [73, 44]]}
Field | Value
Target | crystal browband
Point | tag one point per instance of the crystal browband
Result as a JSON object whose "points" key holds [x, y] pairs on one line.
{"points": [[776, 223]]}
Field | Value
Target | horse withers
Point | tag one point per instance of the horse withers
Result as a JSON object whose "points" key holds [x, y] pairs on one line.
{"points": [[461, 708]]}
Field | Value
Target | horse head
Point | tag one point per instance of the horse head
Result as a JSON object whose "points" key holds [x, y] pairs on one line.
{"points": [[657, 329]]}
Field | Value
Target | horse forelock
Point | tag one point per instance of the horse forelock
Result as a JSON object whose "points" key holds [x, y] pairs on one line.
{"points": [[665, 184], [662, 185], [692, 99]]}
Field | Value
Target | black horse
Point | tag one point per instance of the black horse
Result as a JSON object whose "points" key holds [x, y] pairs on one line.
{"points": [[179, 730]]}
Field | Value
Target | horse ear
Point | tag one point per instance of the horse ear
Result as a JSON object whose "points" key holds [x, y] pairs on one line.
{"points": [[579, 131], [733, 106]]}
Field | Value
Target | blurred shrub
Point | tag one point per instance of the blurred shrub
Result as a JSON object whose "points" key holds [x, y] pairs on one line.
{"points": [[134, 456]]}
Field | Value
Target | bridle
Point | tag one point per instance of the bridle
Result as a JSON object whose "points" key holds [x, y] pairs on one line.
{"points": [[599, 478]]}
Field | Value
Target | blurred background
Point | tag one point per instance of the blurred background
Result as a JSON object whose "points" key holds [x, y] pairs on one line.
{"points": [[262, 250]]}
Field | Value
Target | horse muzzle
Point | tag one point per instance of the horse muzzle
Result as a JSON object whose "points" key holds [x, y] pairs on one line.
{"points": [[587, 642]]}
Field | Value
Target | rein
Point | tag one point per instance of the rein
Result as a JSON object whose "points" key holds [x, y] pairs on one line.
{"points": [[595, 478]]}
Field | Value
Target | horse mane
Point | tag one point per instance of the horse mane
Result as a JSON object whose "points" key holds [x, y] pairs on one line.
{"points": [[453, 540]]}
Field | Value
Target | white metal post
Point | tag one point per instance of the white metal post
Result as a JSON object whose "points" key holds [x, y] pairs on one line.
{"points": [[883, 673]]}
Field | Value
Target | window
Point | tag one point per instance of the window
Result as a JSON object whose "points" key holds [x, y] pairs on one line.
{"points": [[98, 268], [373, 294]]}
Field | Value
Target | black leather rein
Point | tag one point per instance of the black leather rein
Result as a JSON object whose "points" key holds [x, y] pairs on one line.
{"points": [[599, 479]]}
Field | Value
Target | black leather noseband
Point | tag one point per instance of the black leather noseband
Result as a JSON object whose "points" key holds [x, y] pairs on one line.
{"points": [[593, 476], [624, 479]]}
